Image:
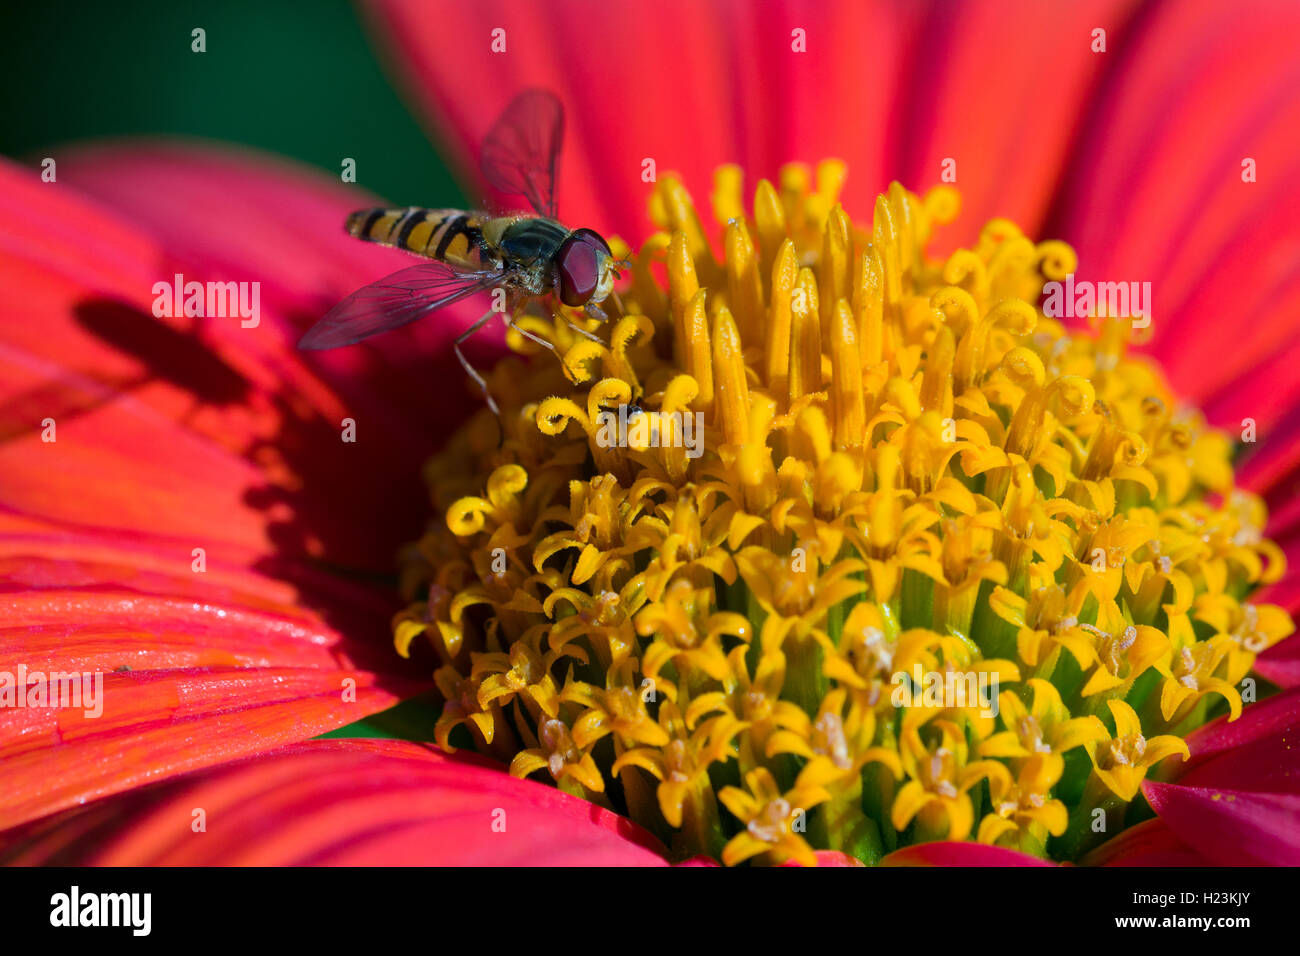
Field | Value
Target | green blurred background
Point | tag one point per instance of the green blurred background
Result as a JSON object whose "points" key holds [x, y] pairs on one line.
{"points": [[293, 77]]}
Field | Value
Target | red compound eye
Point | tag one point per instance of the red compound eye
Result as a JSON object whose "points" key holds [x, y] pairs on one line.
{"points": [[578, 266]]}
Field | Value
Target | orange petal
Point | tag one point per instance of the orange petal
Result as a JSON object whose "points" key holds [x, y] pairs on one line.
{"points": [[341, 803]]}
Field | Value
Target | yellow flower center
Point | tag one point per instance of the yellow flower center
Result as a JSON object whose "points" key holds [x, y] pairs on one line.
{"points": [[1125, 751], [773, 821], [1031, 735], [560, 748], [692, 569], [937, 773]]}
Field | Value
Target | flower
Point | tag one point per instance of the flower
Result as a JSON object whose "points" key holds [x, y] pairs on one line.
{"points": [[1023, 808], [155, 416], [1121, 762], [1044, 728], [880, 429], [772, 819]]}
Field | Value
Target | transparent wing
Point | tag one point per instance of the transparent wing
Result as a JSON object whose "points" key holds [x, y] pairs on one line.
{"points": [[521, 153], [394, 301]]}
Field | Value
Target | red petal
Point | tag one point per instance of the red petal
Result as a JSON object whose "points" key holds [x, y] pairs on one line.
{"points": [[342, 803], [1155, 193], [1231, 827], [1283, 528], [1016, 54], [155, 414], [120, 458], [1237, 801], [1255, 753], [1272, 717], [1150, 843], [1281, 662], [884, 87], [948, 853], [1271, 468], [36, 555], [629, 101], [222, 664], [1268, 765]]}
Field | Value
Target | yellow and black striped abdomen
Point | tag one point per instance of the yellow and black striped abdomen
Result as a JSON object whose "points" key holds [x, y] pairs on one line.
{"points": [[448, 235]]}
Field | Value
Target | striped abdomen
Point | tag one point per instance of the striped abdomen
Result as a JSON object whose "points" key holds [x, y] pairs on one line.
{"points": [[448, 235]]}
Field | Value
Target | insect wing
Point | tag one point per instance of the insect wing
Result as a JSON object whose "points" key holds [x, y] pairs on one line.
{"points": [[521, 153], [394, 301]]}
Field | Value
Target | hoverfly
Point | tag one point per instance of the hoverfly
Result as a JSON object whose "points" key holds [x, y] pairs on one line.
{"points": [[527, 256]]}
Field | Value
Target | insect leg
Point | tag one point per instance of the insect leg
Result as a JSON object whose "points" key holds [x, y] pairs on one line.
{"points": [[550, 345], [560, 315], [469, 369], [580, 330]]}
